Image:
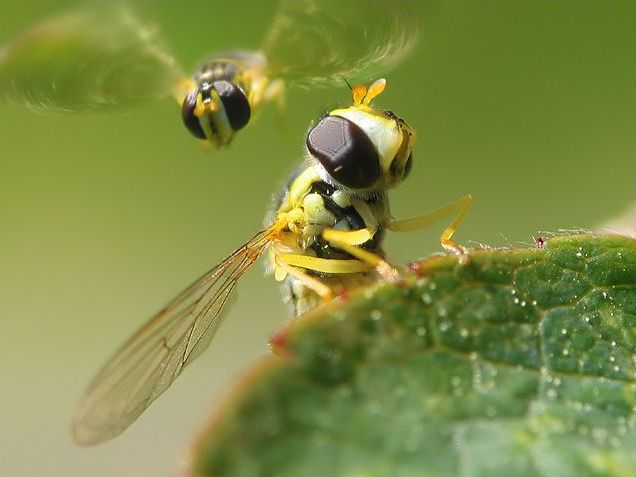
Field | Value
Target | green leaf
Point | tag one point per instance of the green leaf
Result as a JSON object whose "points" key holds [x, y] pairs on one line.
{"points": [[519, 363]]}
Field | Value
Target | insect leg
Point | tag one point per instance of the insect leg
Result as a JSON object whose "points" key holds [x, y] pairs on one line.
{"points": [[349, 241], [324, 265], [459, 208], [282, 260]]}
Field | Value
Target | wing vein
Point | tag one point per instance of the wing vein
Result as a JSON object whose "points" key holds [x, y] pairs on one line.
{"points": [[146, 365]]}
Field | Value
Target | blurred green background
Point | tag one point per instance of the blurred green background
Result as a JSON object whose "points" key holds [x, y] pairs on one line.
{"points": [[529, 106]]}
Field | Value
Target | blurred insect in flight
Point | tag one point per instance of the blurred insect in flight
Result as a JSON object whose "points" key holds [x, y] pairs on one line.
{"points": [[103, 57], [325, 236]]}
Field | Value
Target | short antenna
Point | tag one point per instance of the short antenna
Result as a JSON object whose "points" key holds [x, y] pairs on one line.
{"points": [[346, 82]]}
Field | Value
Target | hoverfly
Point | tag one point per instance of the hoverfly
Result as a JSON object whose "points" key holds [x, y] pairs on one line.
{"points": [[102, 57], [324, 236]]}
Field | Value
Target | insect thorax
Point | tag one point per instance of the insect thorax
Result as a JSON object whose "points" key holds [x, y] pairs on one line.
{"points": [[322, 205], [235, 67], [343, 212]]}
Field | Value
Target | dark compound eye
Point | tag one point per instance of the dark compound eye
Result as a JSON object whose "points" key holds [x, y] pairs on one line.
{"points": [[236, 105], [190, 120], [345, 151]]}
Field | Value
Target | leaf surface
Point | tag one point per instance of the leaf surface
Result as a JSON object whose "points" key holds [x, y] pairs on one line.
{"points": [[522, 362]]}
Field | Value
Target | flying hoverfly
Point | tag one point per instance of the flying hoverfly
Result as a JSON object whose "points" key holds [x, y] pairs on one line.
{"points": [[102, 57], [324, 237]]}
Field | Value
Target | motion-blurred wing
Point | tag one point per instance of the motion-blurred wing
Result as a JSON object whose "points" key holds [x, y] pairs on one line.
{"points": [[155, 355], [319, 42], [94, 58]]}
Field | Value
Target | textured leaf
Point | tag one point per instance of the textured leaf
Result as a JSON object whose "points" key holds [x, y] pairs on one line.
{"points": [[520, 363]]}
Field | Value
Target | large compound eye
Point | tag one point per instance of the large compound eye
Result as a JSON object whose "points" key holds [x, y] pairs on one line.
{"points": [[345, 151], [236, 105], [190, 120]]}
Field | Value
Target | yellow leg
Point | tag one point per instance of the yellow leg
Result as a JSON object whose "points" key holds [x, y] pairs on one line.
{"points": [[316, 285], [458, 207], [349, 241], [324, 265]]}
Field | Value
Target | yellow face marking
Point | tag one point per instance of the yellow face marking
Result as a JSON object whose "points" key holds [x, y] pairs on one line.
{"points": [[199, 109]]}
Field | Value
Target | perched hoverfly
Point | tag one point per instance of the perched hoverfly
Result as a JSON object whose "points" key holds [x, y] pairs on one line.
{"points": [[324, 237], [102, 57]]}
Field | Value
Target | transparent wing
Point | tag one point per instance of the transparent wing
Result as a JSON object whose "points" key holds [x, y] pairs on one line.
{"points": [[148, 363], [90, 59], [318, 42]]}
